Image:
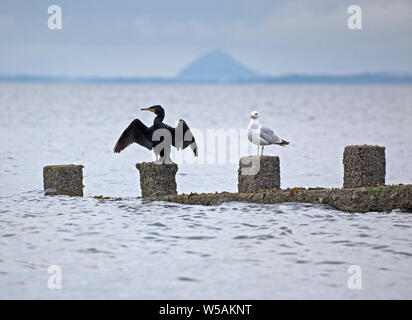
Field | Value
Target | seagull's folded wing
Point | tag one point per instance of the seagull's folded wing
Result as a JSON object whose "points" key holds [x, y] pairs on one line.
{"points": [[268, 135]]}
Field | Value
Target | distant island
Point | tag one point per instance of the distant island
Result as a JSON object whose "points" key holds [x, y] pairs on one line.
{"points": [[217, 66], [220, 67]]}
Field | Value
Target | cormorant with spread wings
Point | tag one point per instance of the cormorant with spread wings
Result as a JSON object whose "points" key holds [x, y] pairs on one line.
{"points": [[159, 137]]}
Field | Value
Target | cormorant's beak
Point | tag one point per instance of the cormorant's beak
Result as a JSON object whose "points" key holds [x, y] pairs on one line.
{"points": [[148, 109]]}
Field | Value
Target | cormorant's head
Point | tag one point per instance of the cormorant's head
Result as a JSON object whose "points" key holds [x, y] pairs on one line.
{"points": [[254, 115], [158, 110]]}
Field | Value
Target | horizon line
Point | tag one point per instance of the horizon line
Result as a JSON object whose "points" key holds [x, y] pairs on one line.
{"points": [[360, 77]]}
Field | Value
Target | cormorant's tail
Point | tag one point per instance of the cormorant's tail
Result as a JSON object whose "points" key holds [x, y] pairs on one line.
{"points": [[284, 143]]}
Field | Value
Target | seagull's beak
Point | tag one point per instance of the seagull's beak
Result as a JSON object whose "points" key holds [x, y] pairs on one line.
{"points": [[251, 116], [147, 109]]}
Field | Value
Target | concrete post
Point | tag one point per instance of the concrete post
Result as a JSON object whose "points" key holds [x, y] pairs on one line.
{"points": [[258, 173], [63, 180], [157, 179], [363, 166]]}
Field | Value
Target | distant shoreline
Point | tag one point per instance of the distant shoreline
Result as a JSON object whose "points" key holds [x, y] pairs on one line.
{"points": [[363, 78]]}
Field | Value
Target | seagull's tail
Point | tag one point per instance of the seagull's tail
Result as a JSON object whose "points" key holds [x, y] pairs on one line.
{"points": [[284, 143]]}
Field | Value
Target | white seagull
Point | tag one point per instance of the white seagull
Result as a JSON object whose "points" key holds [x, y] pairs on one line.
{"points": [[260, 135]]}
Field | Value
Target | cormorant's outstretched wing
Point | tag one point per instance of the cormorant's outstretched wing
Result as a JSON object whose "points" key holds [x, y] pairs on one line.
{"points": [[135, 132], [183, 137]]}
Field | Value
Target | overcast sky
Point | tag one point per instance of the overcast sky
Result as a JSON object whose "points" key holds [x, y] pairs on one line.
{"points": [[158, 38]]}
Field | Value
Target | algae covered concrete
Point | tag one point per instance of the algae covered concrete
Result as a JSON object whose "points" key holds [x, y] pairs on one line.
{"points": [[63, 180], [363, 165], [258, 173], [157, 179], [383, 198]]}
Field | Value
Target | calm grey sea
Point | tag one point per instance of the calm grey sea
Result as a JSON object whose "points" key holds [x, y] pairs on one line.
{"points": [[128, 248]]}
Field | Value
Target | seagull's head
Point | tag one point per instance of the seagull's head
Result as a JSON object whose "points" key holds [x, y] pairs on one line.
{"points": [[254, 115], [157, 109]]}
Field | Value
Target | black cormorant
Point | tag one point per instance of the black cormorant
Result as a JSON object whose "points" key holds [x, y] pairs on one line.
{"points": [[159, 137]]}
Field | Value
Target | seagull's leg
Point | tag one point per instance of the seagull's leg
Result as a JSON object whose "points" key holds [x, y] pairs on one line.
{"points": [[262, 151], [258, 150]]}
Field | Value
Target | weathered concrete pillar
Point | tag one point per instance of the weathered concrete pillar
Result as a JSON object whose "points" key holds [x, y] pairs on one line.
{"points": [[363, 166], [63, 180], [258, 173], [157, 179]]}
